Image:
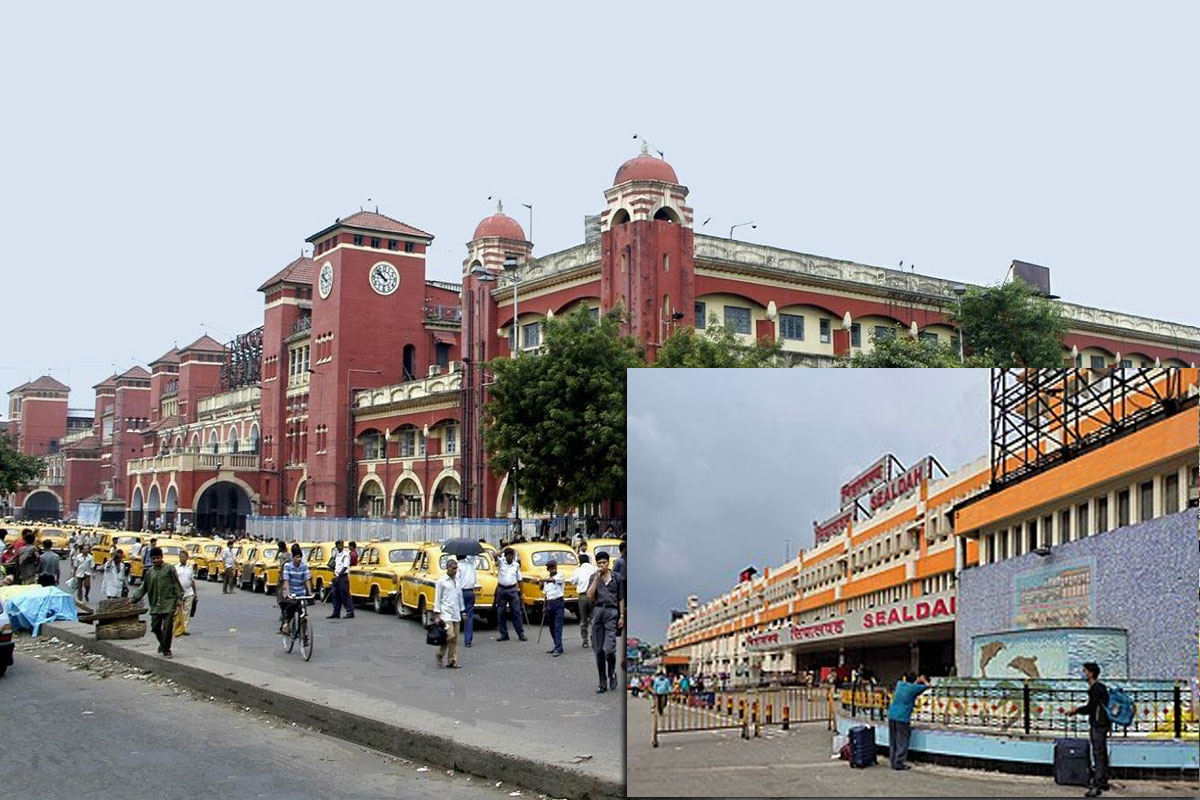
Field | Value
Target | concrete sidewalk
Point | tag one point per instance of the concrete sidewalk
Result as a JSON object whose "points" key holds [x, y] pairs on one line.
{"points": [[797, 763], [511, 712]]}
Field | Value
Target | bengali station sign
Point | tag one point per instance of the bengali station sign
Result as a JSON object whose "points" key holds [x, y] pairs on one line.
{"points": [[868, 479], [915, 613], [833, 526]]}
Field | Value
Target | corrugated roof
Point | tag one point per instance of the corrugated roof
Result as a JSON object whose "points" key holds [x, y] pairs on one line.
{"points": [[302, 270], [370, 221]]}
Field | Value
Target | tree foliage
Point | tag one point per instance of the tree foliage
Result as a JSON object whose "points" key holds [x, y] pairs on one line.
{"points": [[903, 351], [716, 346], [17, 470], [1011, 325], [557, 419]]}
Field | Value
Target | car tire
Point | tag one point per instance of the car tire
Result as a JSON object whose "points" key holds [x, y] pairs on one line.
{"points": [[403, 611], [3, 669], [378, 604], [319, 591], [426, 615], [260, 586]]}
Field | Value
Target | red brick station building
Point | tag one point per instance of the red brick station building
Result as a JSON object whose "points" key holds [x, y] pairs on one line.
{"points": [[361, 392]]}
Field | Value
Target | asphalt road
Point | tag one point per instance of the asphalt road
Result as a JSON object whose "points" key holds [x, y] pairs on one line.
{"points": [[797, 763], [70, 731], [510, 696]]}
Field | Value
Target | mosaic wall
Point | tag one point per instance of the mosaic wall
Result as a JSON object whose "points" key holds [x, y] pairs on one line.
{"points": [[1140, 579], [1052, 653]]}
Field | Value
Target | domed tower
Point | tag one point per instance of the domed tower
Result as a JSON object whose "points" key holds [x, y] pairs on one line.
{"points": [[646, 249]]}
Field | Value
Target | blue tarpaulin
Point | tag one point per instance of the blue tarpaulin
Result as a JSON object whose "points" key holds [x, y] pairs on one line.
{"points": [[30, 607]]}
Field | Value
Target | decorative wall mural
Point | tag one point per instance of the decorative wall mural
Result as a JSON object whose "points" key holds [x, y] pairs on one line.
{"points": [[1050, 653], [1055, 597]]}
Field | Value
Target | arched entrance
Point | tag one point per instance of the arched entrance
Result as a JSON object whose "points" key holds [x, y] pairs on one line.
{"points": [[134, 523], [169, 509], [42, 505], [300, 506], [445, 497], [370, 499], [153, 504], [222, 508], [407, 501]]}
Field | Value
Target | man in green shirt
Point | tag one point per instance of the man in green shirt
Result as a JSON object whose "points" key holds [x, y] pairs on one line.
{"points": [[162, 585]]}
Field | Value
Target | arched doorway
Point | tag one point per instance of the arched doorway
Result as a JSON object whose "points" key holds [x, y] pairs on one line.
{"points": [[42, 505], [153, 503], [134, 523], [222, 508], [300, 505], [445, 497], [406, 502], [169, 509], [370, 500]]}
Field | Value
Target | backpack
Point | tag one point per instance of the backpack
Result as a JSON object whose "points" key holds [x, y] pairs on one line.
{"points": [[1120, 707]]}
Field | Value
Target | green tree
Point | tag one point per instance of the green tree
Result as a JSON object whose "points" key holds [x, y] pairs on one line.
{"points": [[716, 346], [557, 419], [1011, 325], [900, 350], [17, 470]]}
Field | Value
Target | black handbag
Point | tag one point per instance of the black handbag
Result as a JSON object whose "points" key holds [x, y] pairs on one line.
{"points": [[435, 634]]}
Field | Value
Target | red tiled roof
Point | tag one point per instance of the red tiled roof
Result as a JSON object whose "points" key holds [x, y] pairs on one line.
{"points": [[107, 383], [42, 384], [206, 344], [86, 443], [367, 220], [167, 422], [302, 270], [169, 357], [134, 372]]}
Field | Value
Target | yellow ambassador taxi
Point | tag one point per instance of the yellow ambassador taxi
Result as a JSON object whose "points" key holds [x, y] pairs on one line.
{"points": [[171, 549], [215, 565], [533, 557], [124, 541], [60, 540], [317, 557], [203, 553], [610, 546], [270, 572], [417, 586], [376, 577]]}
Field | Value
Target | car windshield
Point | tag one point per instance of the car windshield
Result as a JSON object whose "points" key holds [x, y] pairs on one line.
{"points": [[540, 557], [171, 550], [269, 553], [51, 532], [126, 540], [211, 548], [402, 556], [480, 561], [613, 550]]}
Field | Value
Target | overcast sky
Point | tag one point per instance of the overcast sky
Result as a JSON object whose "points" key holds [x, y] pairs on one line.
{"points": [[724, 465], [161, 160]]}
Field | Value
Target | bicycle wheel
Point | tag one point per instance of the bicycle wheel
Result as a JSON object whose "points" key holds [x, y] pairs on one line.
{"points": [[306, 639], [289, 638]]}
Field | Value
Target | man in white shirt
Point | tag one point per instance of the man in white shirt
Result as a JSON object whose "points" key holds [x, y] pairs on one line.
{"points": [[508, 595], [341, 582], [227, 563], [114, 583], [468, 582], [447, 611], [85, 565], [186, 572], [552, 590], [583, 578]]}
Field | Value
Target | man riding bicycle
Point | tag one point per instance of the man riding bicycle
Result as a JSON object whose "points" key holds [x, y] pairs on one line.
{"points": [[296, 582]]}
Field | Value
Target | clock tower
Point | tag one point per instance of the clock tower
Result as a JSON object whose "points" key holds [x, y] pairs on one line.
{"points": [[367, 330]]}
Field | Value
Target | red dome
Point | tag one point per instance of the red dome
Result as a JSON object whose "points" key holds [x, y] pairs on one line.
{"points": [[645, 168], [499, 224]]}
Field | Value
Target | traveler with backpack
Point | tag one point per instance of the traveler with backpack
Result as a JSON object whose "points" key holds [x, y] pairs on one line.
{"points": [[900, 718], [1096, 709]]}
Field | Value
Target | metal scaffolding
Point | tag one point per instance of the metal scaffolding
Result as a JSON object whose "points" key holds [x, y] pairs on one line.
{"points": [[1044, 417], [243, 361]]}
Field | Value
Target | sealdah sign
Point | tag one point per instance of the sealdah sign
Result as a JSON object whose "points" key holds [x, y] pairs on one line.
{"points": [[903, 484], [909, 612]]}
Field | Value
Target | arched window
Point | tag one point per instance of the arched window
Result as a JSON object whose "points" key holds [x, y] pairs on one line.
{"points": [[410, 362], [254, 440], [666, 214], [233, 440], [213, 442], [621, 217]]}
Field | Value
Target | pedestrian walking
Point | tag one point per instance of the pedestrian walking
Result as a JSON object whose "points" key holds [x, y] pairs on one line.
{"points": [[282, 559], [619, 564], [1096, 709], [900, 718], [185, 570], [341, 581], [85, 565], [607, 593], [113, 580], [353, 554], [508, 595], [28, 562], [583, 578], [447, 611], [147, 558], [552, 609], [227, 564], [47, 565], [161, 585], [468, 582], [662, 690]]}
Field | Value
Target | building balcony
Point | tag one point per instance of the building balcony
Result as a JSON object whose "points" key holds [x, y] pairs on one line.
{"points": [[245, 396], [442, 380], [195, 462], [439, 312]]}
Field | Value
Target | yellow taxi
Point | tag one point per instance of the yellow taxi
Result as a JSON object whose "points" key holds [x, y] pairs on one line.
{"points": [[610, 546], [171, 549], [376, 577], [533, 557], [317, 557], [124, 541], [216, 566], [60, 540], [203, 553], [271, 571], [266, 557], [417, 586]]}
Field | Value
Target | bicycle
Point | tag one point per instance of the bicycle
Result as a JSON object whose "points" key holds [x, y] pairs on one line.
{"points": [[298, 628]]}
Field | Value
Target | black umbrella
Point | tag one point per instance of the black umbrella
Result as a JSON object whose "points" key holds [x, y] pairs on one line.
{"points": [[462, 547]]}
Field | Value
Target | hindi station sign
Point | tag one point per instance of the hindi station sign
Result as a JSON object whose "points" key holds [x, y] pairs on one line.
{"points": [[915, 613], [868, 479], [834, 526]]}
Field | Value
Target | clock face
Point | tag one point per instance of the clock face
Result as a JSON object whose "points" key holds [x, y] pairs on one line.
{"points": [[385, 279], [325, 281]]}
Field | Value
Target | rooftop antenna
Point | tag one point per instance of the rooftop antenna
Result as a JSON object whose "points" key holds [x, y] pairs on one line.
{"points": [[646, 144]]}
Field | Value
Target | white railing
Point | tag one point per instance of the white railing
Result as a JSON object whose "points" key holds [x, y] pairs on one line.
{"points": [[450, 381], [238, 397], [188, 462]]}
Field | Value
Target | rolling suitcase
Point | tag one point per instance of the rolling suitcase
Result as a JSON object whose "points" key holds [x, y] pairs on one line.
{"points": [[1072, 760], [862, 746]]}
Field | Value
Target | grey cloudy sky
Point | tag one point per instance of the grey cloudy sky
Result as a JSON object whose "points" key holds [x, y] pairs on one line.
{"points": [[724, 465], [161, 160]]}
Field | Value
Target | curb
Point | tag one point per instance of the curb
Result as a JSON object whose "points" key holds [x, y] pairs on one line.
{"points": [[386, 737]]}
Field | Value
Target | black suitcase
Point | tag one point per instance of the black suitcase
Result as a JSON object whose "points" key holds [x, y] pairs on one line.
{"points": [[1072, 760], [862, 746]]}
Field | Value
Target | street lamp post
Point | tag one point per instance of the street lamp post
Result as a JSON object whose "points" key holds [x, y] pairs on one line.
{"points": [[740, 225], [960, 290], [425, 447]]}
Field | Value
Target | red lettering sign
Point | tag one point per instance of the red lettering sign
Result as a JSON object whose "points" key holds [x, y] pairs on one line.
{"points": [[832, 527], [909, 612], [904, 484], [867, 480]]}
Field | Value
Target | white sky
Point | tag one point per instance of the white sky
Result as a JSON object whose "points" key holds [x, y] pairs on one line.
{"points": [[160, 161], [725, 466]]}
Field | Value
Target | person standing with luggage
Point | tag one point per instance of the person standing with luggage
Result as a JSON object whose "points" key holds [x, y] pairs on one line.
{"points": [[447, 612], [341, 582], [900, 718], [1096, 709]]}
